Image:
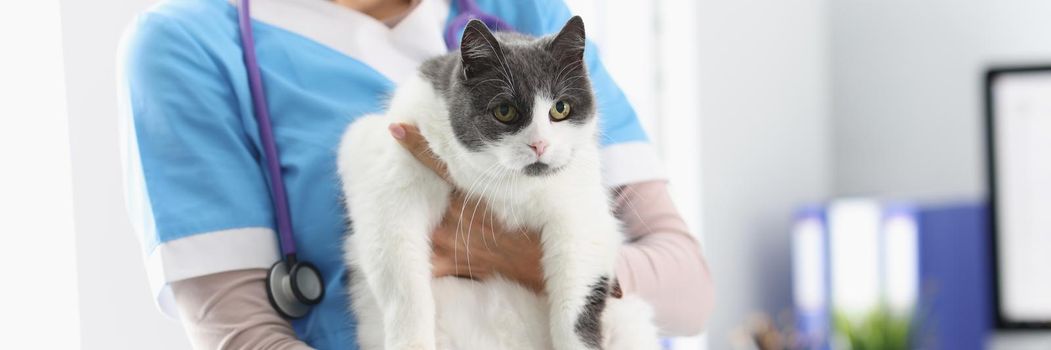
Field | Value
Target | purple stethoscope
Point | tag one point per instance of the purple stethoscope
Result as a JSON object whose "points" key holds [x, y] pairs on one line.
{"points": [[294, 286]]}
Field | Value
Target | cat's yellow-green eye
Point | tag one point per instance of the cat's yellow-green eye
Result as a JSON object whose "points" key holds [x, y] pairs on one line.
{"points": [[559, 110], [505, 113]]}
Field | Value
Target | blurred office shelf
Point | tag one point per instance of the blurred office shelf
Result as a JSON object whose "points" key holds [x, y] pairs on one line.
{"points": [[872, 274]]}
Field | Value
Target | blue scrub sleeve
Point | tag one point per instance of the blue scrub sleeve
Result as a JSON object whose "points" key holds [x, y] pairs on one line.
{"points": [[199, 167]]}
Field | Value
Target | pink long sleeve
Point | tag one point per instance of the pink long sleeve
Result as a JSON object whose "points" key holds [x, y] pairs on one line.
{"points": [[230, 310], [662, 263]]}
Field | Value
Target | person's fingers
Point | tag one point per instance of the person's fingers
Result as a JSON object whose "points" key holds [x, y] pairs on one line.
{"points": [[441, 266], [409, 136]]}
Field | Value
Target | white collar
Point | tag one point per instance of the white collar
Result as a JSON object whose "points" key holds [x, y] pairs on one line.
{"points": [[394, 52]]}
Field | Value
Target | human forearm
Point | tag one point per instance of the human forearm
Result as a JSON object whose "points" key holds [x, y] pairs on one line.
{"points": [[230, 310], [662, 263], [663, 270]]}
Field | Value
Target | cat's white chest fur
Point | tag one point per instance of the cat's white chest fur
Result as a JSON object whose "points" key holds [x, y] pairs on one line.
{"points": [[539, 171], [394, 202]]}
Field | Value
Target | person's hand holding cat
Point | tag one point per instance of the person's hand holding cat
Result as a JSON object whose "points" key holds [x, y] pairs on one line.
{"points": [[483, 247]]}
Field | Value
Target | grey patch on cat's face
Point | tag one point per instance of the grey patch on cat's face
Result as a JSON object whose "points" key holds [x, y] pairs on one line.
{"points": [[540, 169], [515, 69], [589, 323]]}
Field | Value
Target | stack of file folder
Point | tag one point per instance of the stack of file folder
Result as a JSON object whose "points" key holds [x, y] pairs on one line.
{"points": [[878, 274]]}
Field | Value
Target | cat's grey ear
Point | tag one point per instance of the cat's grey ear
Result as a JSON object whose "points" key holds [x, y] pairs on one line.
{"points": [[479, 49], [568, 45]]}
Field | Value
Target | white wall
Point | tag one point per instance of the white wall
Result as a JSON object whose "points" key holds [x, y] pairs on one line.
{"points": [[39, 296], [763, 103], [116, 307], [906, 89]]}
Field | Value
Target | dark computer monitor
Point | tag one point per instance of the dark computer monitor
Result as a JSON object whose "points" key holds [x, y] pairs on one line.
{"points": [[1018, 139]]}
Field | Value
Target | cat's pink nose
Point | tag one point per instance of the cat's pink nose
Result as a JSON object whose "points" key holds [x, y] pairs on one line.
{"points": [[538, 147]]}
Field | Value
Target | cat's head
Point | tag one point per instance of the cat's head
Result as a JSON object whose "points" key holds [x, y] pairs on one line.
{"points": [[523, 103]]}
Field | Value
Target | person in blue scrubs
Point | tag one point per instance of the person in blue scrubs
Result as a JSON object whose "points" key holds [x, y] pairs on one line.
{"points": [[196, 188]]}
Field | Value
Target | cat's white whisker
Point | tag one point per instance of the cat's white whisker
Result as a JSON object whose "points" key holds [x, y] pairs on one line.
{"points": [[492, 213], [514, 212], [489, 105], [502, 176], [502, 60], [635, 210], [483, 195], [568, 68], [459, 220]]}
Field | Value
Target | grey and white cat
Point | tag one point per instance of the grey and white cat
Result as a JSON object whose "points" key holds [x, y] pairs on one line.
{"points": [[514, 118]]}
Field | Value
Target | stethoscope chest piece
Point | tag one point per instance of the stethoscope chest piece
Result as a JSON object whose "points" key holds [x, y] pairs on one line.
{"points": [[292, 291]]}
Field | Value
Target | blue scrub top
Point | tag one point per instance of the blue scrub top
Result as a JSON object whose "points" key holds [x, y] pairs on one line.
{"points": [[197, 190]]}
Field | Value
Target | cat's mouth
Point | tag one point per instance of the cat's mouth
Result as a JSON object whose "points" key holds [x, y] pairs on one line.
{"points": [[540, 169]]}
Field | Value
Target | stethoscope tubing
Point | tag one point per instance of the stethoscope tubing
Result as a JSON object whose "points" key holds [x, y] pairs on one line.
{"points": [[469, 10], [278, 194]]}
